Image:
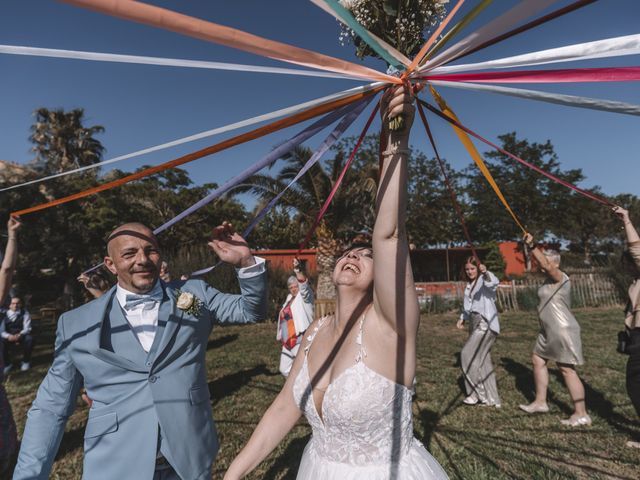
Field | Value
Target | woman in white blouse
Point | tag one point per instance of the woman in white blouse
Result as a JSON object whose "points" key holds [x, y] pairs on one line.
{"points": [[481, 315]]}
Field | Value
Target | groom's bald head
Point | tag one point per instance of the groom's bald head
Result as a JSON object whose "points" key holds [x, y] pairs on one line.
{"points": [[133, 255], [132, 229]]}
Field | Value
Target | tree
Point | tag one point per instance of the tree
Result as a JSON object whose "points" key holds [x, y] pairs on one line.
{"points": [[350, 211], [60, 242], [431, 215], [534, 198], [278, 229], [61, 141]]}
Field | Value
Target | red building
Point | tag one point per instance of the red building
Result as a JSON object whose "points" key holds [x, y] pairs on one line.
{"points": [[429, 265]]}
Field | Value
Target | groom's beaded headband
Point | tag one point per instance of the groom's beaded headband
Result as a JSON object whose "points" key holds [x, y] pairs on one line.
{"points": [[132, 233]]}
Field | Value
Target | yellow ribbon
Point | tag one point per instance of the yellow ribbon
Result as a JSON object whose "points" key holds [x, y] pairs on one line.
{"points": [[466, 141]]}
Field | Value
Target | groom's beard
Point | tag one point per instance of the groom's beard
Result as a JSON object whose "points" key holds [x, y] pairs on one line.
{"points": [[145, 278]]}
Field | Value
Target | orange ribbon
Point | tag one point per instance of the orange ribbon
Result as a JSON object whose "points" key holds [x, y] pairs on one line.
{"points": [[231, 142], [230, 37], [427, 45], [468, 144]]}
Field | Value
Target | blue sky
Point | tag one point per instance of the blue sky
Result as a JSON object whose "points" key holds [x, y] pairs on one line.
{"points": [[141, 106]]}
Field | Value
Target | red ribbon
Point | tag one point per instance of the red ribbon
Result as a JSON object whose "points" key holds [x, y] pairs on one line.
{"points": [[327, 202], [447, 182], [609, 74], [550, 176], [529, 26]]}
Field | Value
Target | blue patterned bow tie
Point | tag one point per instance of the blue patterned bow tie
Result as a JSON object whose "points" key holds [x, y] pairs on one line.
{"points": [[147, 301]]}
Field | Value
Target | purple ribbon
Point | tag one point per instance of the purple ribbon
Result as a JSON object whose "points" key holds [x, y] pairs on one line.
{"points": [[354, 111], [267, 160]]}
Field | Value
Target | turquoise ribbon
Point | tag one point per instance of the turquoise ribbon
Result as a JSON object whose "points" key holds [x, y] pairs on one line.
{"points": [[348, 18]]}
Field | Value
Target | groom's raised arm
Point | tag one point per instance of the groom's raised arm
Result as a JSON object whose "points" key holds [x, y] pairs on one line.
{"points": [[54, 404], [250, 305]]}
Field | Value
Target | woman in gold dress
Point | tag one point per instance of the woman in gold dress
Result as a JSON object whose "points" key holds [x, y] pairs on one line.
{"points": [[559, 338]]}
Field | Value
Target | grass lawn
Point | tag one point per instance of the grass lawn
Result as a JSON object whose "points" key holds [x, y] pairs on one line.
{"points": [[469, 442]]}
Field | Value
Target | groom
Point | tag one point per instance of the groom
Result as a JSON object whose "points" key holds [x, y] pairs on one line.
{"points": [[140, 351]]}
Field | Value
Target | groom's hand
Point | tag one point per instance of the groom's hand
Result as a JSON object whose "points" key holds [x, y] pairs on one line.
{"points": [[230, 247]]}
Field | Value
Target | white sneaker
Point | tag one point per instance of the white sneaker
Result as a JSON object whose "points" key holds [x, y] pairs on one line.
{"points": [[25, 366], [7, 369], [585, 420], [471, 400]]}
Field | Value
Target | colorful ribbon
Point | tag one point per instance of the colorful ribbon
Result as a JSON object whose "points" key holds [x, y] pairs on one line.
{"points": [[550, 176], [209, 133], [434, 36], [230, 37], [528, 26], [557, 98], [485, 34], [607, 48], [386, 52], [331, 139], [570, 75], [237, 140], [271, 157], [335, 188], [468, 18], [162, 62], [401, 58], [466, 141], [447, 182]]}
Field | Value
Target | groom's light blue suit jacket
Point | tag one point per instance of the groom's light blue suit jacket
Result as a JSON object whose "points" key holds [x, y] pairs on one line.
{"points": [[140, 400]]}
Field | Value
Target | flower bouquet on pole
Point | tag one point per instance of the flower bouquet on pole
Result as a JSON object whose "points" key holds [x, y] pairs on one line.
{"points": [[402, 24]]}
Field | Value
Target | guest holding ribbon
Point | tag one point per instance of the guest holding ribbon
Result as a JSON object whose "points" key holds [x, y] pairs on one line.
{"points": [[559, 338], [481, 315], [295, 317], [631, 334], [8, 434], [140, 351], [96, 284]]}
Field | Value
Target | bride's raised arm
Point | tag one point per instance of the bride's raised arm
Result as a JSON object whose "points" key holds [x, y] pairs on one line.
{"points": [[395, 299]]}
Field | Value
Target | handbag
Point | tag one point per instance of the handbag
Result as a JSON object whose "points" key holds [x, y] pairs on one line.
{"points": [[624, 342]]}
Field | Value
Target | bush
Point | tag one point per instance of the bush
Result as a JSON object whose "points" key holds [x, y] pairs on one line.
{"points": [[527, 298], [435, 304]]}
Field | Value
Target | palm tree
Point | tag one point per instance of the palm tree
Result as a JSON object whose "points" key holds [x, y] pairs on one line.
{"points": [[61, 142], [351, 210]]}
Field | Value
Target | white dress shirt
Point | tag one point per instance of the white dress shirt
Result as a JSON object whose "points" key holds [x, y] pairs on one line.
{"points": [[482, 300], [144, 323]]}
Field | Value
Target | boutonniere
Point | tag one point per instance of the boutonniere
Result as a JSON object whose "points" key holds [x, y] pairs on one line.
{"points": [[188, 302]]}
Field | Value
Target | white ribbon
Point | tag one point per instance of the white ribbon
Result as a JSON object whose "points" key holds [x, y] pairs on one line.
{"points": [[560, 99], [498, 26], [216, 131], [164, 62], [610, 47]]}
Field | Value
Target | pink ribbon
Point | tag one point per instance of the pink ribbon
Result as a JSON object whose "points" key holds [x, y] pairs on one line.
{"points": [[610, 74]]}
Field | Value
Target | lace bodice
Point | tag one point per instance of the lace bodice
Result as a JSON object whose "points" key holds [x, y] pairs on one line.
{"points": [[366, 418]]}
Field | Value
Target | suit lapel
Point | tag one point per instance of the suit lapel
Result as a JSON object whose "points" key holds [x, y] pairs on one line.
{"points": [[94, 336], [168, 322]]}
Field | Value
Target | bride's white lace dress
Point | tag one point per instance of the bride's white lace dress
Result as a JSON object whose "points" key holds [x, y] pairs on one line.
{"points": [[365, 430]]}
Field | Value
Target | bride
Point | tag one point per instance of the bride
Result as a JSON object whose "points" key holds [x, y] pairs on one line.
{"points": [[354, 374]]}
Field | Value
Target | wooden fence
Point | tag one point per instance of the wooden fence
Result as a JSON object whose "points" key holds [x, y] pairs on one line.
{"points": [[588, 289]]}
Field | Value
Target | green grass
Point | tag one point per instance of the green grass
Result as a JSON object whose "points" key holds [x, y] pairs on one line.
{"points": [[470, 442]]}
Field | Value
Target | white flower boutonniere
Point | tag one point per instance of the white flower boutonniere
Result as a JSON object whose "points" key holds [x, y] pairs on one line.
{"points": [[188, 302]]}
